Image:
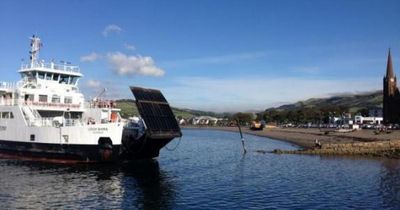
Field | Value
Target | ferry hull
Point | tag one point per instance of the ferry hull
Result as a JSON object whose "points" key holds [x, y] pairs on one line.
{"points": [[131, 149], [142, 148], [58, 152]]}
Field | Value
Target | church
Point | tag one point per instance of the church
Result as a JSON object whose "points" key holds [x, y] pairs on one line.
{"points": [[391, 95]]}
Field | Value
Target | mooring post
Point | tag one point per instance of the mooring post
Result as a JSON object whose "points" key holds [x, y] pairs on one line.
{"points": [[241, 136]]}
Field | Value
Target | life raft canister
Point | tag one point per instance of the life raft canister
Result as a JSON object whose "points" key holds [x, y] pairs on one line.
{"points": [[114, 117]]}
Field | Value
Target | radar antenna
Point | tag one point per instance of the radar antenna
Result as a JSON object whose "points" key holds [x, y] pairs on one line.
{"points": [[100, 94]]}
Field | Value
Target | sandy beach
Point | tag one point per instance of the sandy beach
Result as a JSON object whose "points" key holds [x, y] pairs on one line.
{"points": [[305, 137]]}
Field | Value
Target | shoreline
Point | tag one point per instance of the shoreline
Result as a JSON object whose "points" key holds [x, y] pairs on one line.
{"points": [[304, 138], [362, 142]]}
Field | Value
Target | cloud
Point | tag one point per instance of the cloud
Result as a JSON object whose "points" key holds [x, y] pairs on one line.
{"points": [[111, 29], [255, 93], [93, 83], [129, 47], [90, 58], [126, 65]]}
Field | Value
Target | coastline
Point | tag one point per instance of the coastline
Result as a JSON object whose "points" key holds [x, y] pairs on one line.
{"points": [[362, 142]]}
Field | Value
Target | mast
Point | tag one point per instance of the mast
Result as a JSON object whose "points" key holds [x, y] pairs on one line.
{"points": [[36, 44]]}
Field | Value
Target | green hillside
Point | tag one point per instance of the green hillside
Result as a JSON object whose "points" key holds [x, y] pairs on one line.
{"points": [[353, 103], [129, 109], [318, 109]]}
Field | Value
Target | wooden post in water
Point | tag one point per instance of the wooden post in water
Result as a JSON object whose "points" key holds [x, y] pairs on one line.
{"points": [[241, 136]]}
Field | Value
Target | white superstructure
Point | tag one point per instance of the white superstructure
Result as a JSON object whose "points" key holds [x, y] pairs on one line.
{"points": [[46, 106]]}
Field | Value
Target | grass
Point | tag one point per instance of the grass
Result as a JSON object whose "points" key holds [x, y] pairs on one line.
{"points": [[129, 109]]}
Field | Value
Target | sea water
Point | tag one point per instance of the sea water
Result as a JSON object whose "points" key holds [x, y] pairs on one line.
{"points": [[207, 169]]}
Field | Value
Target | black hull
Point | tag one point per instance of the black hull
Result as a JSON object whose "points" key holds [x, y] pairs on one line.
{"points": [[58, 152], [142, 148], [131, 149]]}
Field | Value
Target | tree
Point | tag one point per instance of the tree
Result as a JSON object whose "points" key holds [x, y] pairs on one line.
{"points": [[243, 118], [364, 112]]}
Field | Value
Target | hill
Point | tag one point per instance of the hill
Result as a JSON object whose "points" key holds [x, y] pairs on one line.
{"points": [[319, 109], [353, 103], [129, 109]]}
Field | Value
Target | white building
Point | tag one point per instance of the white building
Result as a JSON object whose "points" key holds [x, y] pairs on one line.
{"points": [[204, 120], [368, 120]]}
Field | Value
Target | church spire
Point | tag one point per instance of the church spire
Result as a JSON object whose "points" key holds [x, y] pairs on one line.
{"points": [[389, 67]]}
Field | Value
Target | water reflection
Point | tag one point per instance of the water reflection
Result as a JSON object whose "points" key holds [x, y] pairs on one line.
{"points": [[390, 183], [140, 185], [149, 187]]}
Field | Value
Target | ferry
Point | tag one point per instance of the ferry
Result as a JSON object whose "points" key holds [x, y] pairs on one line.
{"points": [[44, 116]]}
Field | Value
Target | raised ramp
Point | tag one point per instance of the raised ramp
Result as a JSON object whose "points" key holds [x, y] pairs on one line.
{"points": [[156, 113]]}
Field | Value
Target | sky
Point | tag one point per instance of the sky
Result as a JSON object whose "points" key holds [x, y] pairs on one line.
{"points": [[212, 55]]}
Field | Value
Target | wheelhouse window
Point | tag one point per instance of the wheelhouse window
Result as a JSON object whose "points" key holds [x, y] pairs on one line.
{"points": [[29, 97], [6, 115], [55, 77], [74, 80], [55, 99], [42, 98], [41, 75], [48, 76], [64, 79], [31, 75], [68, 100], [24, 75]]}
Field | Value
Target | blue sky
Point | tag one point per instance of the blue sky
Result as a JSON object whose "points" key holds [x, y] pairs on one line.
{"points": [[210, 55]]}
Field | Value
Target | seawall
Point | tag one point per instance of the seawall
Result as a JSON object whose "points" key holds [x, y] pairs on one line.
{"points": [[389, 149]]}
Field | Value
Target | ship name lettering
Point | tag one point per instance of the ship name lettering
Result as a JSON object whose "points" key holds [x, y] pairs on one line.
{"points": [[98, 129]]}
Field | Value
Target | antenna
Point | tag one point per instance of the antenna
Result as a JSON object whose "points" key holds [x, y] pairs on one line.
{"points": [[100, 94], [36, 44]]}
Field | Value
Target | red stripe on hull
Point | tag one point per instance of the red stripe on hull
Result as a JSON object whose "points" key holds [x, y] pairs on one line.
{"points": [[43, 159]]}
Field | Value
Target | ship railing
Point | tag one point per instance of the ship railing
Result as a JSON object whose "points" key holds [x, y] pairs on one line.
{"points": [[110, 104], [44, 122], [52, 65], [8, 85], [8, 102], [55, 105], [72, 122], [52, 122]]}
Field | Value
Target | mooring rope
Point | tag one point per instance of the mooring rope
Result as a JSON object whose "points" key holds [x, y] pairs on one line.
{"points": [[176, 146]]}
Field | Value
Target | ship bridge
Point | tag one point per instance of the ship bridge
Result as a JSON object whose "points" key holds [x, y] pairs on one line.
{"points": [[52, 67], [39, 70], [61, 73], [46, 87]]}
